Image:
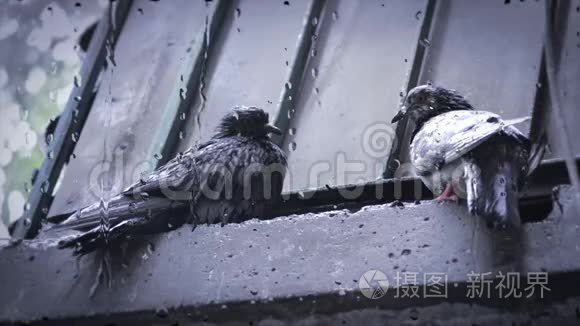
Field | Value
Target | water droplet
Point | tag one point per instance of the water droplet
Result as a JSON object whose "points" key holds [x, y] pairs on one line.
{"points": [[314, 72], [144, 195], [50, 155], [313, 53], [334, 15], [238, 12], [501, 180], [288, 85], [72, 156], [301, 194], [391, 255], [289, 97], [292, 146], [140, 10], [182, 93], [77, 81], [49, 138], [290, 113], [182, 116], [150, 248], [45, 210], [26, 222], [132, 208], [418, 15], [539, 85], [425, 42], [314, 21], [158, 156], [44, 187], [406, 252], [75, 137], [162, 312], [181, 135], [316, 90], [292, 131], [77, 98]]}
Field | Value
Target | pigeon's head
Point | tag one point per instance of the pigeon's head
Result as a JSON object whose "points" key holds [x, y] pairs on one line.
{"points": [[426, 101], [246, 121]]}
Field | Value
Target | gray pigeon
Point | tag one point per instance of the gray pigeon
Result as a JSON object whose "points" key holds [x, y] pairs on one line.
{"points": [[234, 176], [476, 155]]}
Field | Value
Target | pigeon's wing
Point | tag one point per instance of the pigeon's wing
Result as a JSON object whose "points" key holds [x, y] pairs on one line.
{"points": [[450, 135], [176, 175], [163, 188]]}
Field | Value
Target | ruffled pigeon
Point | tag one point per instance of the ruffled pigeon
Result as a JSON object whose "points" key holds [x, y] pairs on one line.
{"points": [[458, 151]]}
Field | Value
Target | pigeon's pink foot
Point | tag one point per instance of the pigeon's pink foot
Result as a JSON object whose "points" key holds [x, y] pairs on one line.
{"points": [[448, 195]]}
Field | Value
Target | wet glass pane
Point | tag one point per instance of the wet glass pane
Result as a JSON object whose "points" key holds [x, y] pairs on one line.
{"points": [[250, 63], [341, 131], [123, 135], [39, 57]]}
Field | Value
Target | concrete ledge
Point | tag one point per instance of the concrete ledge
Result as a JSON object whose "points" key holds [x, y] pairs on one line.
{"points": [[287, 268]]}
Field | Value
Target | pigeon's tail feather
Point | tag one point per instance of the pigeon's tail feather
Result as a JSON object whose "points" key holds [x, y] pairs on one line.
{"points": [[499, 203], [93, 239], [492, 179]]}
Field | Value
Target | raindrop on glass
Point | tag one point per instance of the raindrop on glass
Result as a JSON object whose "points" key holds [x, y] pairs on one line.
{"points": [[49, 138], [238, 12], [288, 85], [73, 156], [77, 81], [50, 155], [292, 146], [44, 187], [158, 156], [182, 116], [182, 94], [292, 131], [77, 98], [301, 194], [314, 21], [425, 42], [314, 72], [132, 208], [418, 15], [290, 113], [313, 53], [316, 90], [181, 135], [334, 15], [75, 137]]}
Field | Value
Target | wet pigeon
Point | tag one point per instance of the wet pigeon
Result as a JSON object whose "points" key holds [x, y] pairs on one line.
{"points": [[458, 151], [234, 176]]}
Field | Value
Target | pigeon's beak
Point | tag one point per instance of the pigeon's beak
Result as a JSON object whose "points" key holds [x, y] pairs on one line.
{"points": [[273, 130], [399, 115]]}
